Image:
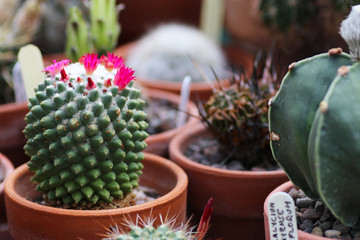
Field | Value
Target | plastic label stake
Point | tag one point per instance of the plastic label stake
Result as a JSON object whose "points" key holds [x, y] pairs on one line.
{"points": [[31, 65], [282, 217], [184, 99]]}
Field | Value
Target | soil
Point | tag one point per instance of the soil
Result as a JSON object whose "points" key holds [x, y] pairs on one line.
{"points": [[137, 196], [210, 152], [314, 217], [161, 116]]}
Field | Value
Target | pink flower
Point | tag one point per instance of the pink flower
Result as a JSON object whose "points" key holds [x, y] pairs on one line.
{"points": [[64, 76], [90, 62], [90, 85], [79, 79], [56, 67], [123, 76], [111, 61]]}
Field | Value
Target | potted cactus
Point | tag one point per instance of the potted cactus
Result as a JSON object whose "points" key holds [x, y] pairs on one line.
{"points": [[314, 135], [235, 127], [85, 139]]}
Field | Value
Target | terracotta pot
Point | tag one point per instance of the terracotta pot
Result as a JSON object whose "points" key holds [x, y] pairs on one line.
{"points": [[238, 195], [6, 167], [199, 90], [159, 143], [285, 187], [12, 123], [29, 220]]}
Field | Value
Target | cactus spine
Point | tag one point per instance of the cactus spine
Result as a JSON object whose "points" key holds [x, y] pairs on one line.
{"points": [[313, 125], [85, 132]]}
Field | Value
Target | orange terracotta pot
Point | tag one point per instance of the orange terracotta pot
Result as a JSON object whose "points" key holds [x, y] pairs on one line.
{"points": [[199, 90], [159, 143], [285, 187], [238, 195], [29, 220], [12, 123], [6, 167]]}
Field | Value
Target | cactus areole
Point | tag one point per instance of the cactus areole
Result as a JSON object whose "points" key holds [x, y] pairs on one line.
{"points": [[85, 132], [313, 121]]}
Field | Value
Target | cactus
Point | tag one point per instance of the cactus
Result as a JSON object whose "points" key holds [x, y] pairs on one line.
{"points": [[313, 125], [85, 132], [99, 36], [168, 52], [237, 114], [166, 230]]}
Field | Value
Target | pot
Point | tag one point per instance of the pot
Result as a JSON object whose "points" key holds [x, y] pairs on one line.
{"points": [[238, 195], [30, 220], [285, 187], [159, 143], [6, 167], [12, 123]]}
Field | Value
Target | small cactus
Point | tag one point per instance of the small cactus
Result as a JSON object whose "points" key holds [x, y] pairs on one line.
{"points": [[237, 114], [99, 36], [167, 53], [314, 125], [85, 132]]}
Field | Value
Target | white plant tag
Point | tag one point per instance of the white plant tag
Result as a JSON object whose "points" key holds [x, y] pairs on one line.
{"points": [[184, 99], [282, 217], [31, 65]]}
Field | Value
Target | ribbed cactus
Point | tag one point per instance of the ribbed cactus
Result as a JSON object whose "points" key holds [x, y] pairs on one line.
{"points": [[85, 131], [99, 35], [238, 114], [314, 125]]}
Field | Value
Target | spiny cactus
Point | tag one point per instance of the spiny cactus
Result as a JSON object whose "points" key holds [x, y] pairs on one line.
{"points": [[166, 230], [102, 34], [314, 125], [167, 53], [238, 114], [85, 131]]}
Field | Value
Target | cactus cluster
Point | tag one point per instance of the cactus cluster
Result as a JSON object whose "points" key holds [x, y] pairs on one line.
{"points": [[100, 37], [284, 14], [169, 51], [314, 125], [85, 132], [237, 114]]}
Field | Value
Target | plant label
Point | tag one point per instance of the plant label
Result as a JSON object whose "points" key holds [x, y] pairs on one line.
{"points": [[184, 99], [282, 217], [31, 65]]}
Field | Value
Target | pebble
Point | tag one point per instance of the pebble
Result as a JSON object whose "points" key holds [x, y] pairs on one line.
{"points": [[317, 231], [293, 193], [340, 227], [304, 202], [325, 225], [310, 213], [332, 233], [307, 223]]}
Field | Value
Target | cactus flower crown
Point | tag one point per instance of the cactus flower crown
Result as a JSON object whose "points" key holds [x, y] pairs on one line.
{"points": [[85, 132]]}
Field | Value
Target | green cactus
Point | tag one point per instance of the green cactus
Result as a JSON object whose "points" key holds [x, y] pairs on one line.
{"points": [[313, 125], [85, 132], [237, 114], [100, 35]]}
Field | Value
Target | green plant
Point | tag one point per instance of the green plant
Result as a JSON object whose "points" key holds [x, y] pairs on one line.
{"points": [[102, 34], [313, 125], [144, 229], [237, 114], [85, 132], [284, 14]]}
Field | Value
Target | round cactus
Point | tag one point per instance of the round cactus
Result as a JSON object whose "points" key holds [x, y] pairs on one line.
{"points": [[85, 131]]}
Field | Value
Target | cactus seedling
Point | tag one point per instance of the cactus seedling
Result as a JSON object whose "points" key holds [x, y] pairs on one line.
{"points": [[313, 125], [85, 132], [237, 115]]}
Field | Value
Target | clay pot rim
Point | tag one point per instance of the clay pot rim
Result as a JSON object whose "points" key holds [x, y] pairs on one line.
{"points": [[285, 187], [180, 187], [8, 168], [13, 107], [172, 97], [187, 137]]}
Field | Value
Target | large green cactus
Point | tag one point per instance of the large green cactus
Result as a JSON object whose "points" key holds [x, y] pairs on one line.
{"points": [[86, 132], [315, 135]]}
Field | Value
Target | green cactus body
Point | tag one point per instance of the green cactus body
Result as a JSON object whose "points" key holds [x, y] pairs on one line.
{"points": [[292, 112], [85, 132], [334, 146], [77, 42]]}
